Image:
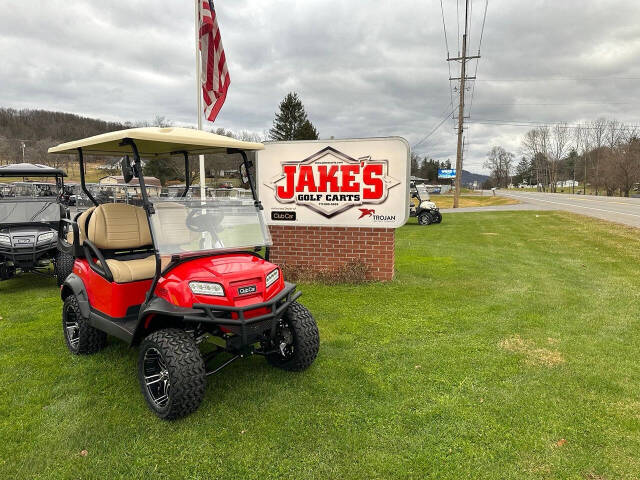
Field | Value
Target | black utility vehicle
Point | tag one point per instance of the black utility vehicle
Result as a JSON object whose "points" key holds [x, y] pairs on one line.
{"points": [[29, 225]]}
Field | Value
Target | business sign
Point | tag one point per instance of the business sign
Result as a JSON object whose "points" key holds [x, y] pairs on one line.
{"points": [[447, 173], [347, 183]]}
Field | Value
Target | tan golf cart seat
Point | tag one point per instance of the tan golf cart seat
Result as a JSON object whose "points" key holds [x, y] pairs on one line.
{"points": [[117, 226], [82, 221]]}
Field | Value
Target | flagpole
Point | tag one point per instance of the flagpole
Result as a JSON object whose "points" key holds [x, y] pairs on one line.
{"points": [[203, 188]]}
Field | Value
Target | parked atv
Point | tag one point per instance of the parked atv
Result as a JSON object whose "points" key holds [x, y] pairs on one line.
{"points": [[29, 225], [421, 207], [170, 274]]}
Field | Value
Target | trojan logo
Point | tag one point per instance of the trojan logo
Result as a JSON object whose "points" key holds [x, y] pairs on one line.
{"points": [[366, 212], [330, 182]]}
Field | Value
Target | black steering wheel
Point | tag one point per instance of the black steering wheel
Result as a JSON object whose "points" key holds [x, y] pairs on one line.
{"points": [[204, 221]]}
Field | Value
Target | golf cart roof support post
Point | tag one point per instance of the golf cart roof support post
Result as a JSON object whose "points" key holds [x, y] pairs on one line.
{"points": [[82, 179], [148, 208], [137, 167], [187, 174], [247, 165]]}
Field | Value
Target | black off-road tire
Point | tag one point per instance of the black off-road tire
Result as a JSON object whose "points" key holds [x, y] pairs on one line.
{"points": [[63, 267], [306, 340], [85, 339], [437, 217], [186, 371], [425, 218]]}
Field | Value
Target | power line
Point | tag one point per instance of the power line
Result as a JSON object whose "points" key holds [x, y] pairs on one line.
{"points": [[484, 19], [475, 74], [446, 42], [444, 27], [449, 111], [527, 123], [559, 104], [554, 79]]}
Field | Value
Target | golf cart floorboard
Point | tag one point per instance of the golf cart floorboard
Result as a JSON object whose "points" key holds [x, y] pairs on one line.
{"points": [[122, 328]]}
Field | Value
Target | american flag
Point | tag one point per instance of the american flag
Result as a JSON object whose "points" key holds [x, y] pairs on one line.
{"points": [[215, 76]]}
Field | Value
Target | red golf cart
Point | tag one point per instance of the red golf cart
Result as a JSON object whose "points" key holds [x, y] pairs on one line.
{"points": [[172, 274]]}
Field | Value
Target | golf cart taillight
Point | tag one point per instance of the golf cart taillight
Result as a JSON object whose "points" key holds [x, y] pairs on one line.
{"points": [[272, 277], [207, 288]]}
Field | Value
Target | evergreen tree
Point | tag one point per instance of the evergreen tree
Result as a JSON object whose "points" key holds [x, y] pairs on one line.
{"points": [[306, 132], [291, 122]]}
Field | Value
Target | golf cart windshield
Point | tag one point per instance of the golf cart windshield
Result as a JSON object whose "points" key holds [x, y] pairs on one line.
{"points": [[29, 211], [423, 193], [185, 226]]}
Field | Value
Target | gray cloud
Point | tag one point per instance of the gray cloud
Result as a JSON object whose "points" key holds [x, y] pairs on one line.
{"points": [[362, 68]]}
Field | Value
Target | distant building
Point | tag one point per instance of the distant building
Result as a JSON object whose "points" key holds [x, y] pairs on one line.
{"points": [[566, 183], [229, 173], [154, 187]]}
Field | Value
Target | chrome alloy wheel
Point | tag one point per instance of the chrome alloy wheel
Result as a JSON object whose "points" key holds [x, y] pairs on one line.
{"points": [[72, 328], [156, 377]]}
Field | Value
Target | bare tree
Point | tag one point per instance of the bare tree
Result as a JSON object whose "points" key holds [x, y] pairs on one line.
{"points": [[558, 149], [598, 130], [580, 139], [161, 121], [500, 163], [534, 143], [624, 159]]}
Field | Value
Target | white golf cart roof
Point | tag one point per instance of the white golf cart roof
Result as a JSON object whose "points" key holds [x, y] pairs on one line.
{"points": [[156, 141]]}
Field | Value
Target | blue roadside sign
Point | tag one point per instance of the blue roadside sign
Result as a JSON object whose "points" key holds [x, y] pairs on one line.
{"points": [[447, 173]]}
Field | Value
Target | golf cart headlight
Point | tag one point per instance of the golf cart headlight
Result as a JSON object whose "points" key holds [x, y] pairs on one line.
{"points": [[5, 240], [207, 288], [45, 237], [272, 277]]}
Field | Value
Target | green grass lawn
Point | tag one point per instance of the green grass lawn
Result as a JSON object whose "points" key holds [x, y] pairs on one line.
{"points": [[508, 347]]}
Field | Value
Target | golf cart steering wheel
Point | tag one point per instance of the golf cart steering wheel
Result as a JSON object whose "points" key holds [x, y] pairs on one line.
{"points": [[206, 221], [200, 221]]}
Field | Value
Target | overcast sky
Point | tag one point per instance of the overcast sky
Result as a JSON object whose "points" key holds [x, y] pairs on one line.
{"points": [[362, 68]]}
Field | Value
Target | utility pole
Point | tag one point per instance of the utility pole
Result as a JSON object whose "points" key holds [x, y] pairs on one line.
{"points": [[463, 78]]}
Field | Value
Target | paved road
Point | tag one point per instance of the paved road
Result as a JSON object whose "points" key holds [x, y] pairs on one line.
{"points": [[614, 209]]}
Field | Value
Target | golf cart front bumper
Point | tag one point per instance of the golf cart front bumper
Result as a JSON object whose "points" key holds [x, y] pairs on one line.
{"points": [[249, 323], [28, 257]]}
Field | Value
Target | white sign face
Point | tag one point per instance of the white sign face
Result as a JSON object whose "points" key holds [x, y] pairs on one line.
{"points": [[344, 183]]}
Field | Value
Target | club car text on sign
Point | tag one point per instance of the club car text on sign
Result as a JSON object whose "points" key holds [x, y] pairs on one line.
{"points": [[348, 183]]}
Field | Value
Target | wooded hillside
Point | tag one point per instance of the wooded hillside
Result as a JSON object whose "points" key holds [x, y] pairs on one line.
{"points": [[37, 130]]}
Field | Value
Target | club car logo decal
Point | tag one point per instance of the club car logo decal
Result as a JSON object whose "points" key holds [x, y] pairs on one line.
{"points": [[330, 182], [247, 290]]}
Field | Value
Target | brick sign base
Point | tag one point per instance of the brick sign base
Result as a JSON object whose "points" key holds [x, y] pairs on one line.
{"points": [[326, 250]]}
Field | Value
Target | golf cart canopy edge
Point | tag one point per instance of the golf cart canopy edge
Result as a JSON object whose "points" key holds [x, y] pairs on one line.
{"points": [[155, 142], [30, 170]]}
